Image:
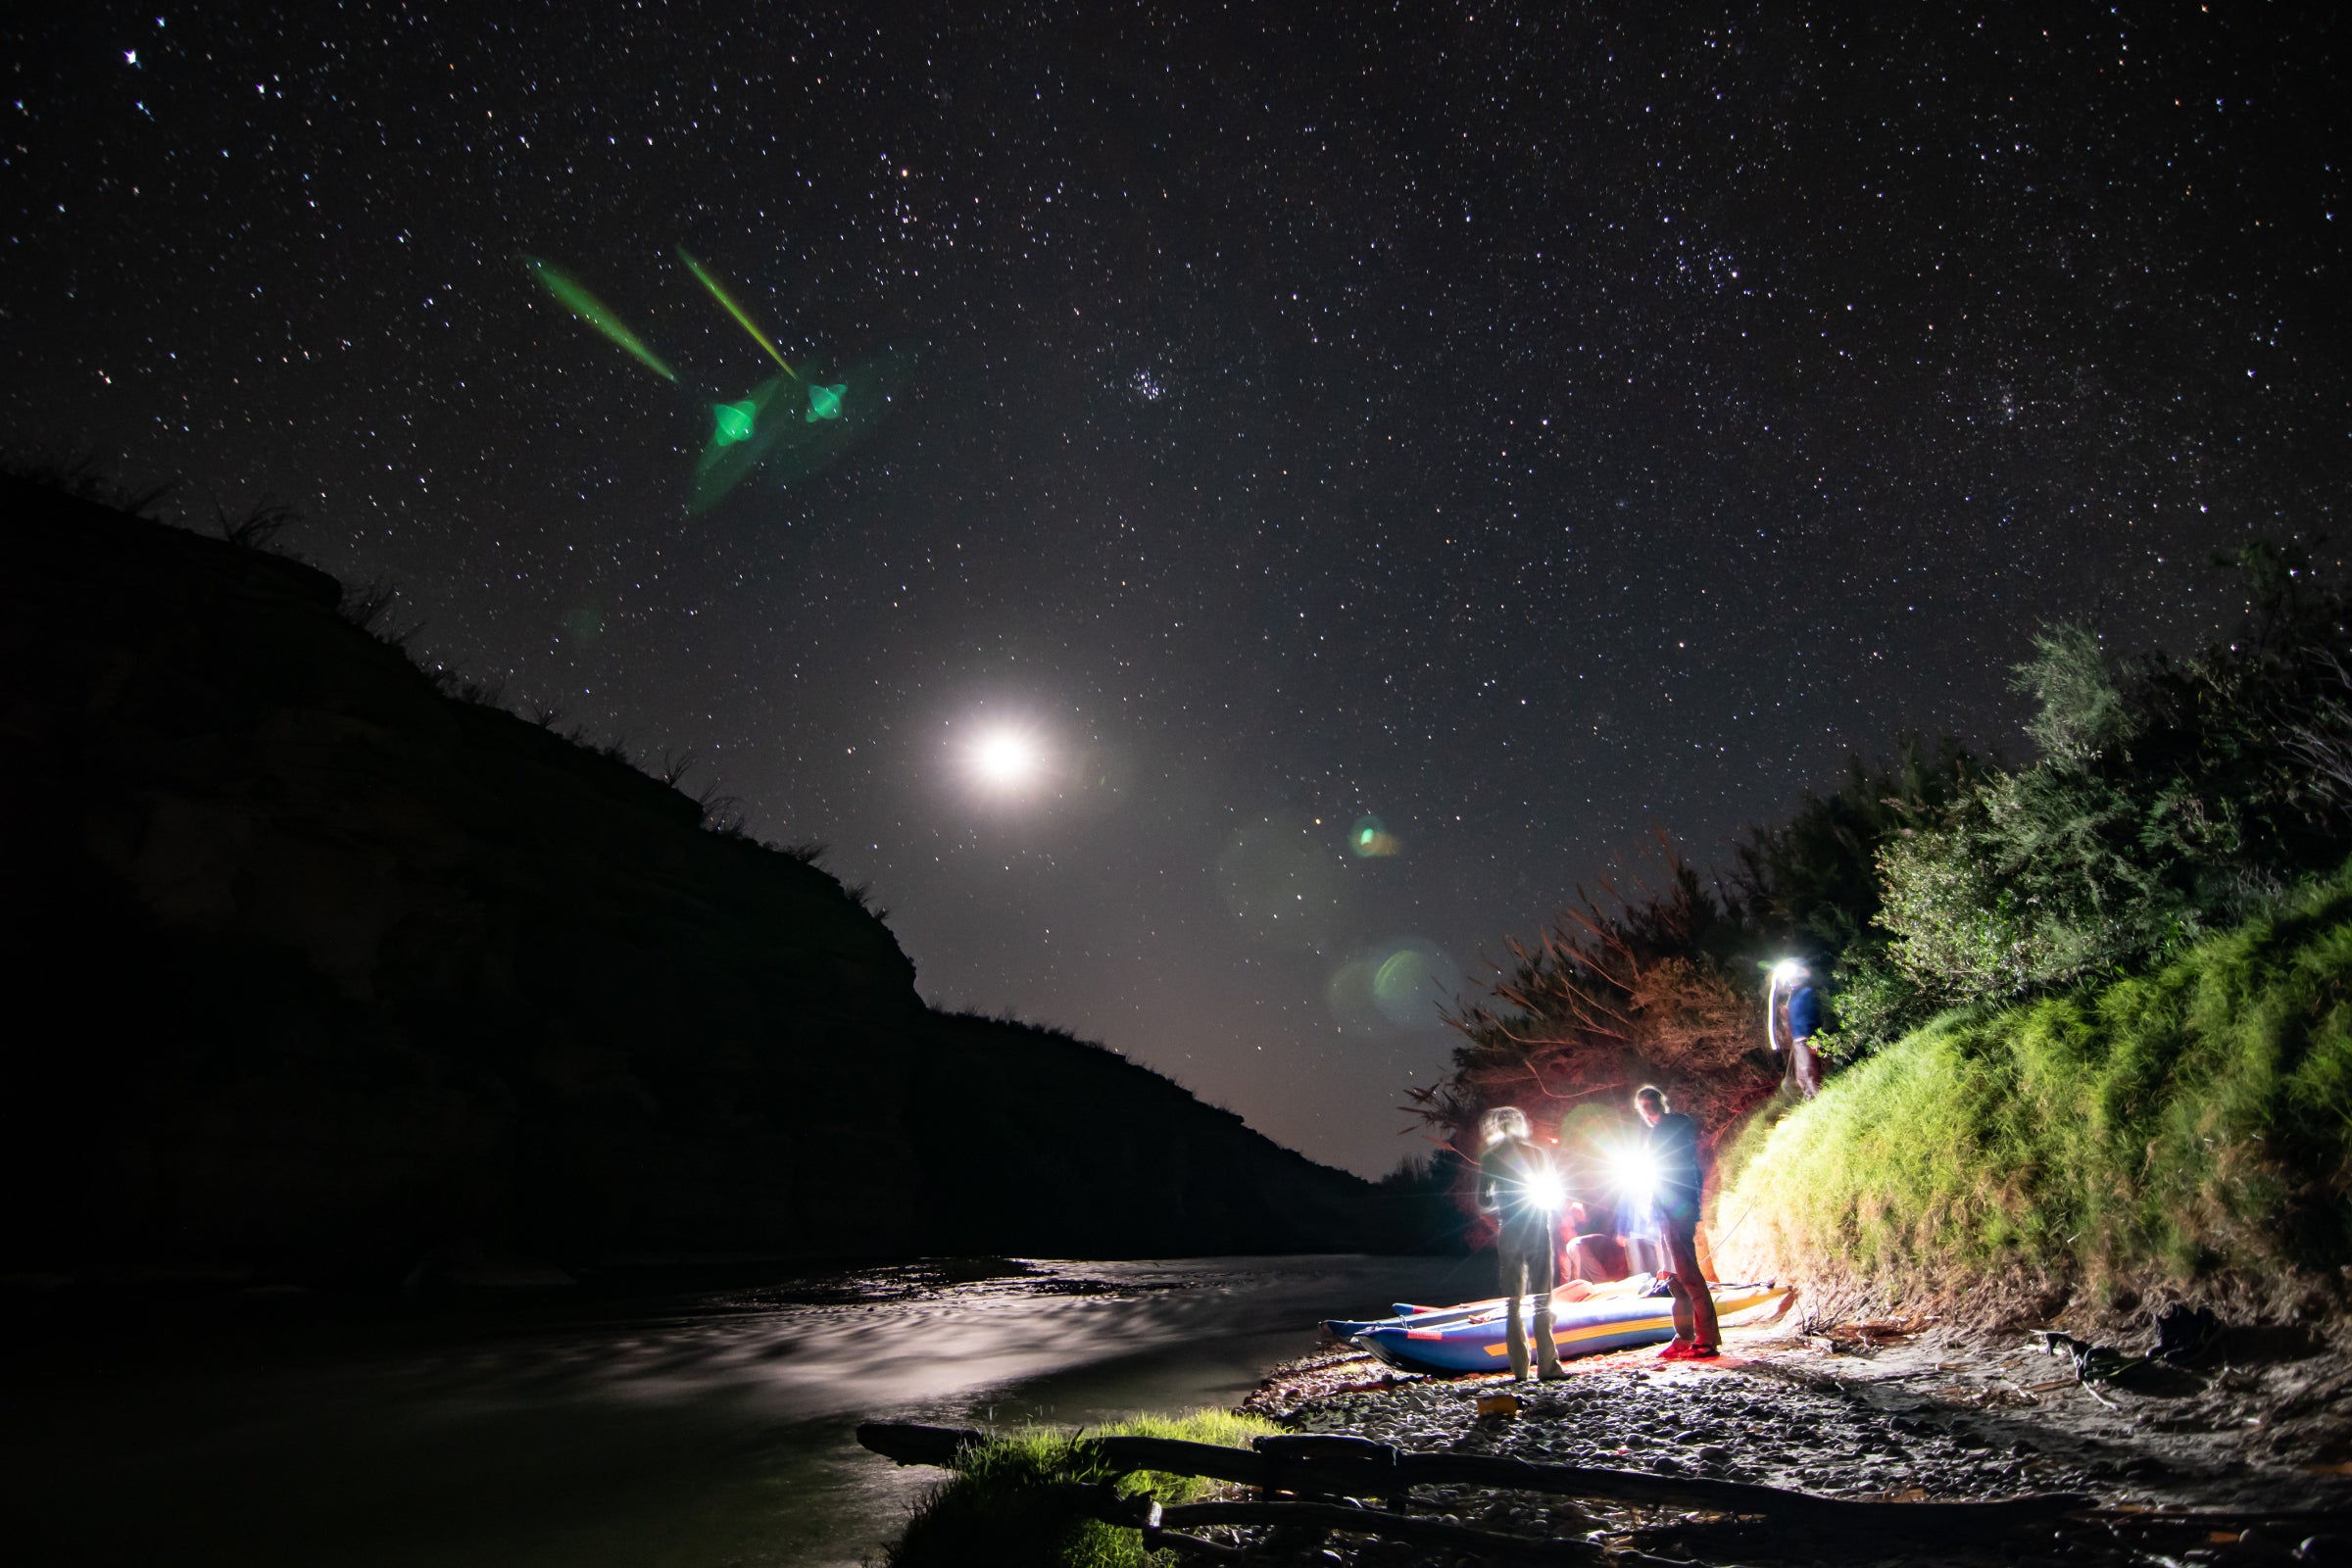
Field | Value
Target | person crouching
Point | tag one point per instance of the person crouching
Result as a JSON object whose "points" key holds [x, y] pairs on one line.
{"points": [[1678, 1177], [1518, 1184]]}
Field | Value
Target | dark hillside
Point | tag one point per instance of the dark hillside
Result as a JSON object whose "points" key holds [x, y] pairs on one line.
{"points": [[311, 966], [1125, 1160]]}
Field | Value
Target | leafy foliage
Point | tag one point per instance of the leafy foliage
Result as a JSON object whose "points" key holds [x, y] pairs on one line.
{"points": [[2171, 800], [1812, 888], [1660, 980], [1618, 991], [2168, 800]]}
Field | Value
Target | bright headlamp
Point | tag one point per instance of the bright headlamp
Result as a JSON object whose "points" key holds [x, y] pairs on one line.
{"points": [[1636, 1173]]}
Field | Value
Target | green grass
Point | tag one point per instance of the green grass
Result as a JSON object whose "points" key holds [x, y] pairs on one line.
{"points": [[2191, 1126], [1002, 1507]]}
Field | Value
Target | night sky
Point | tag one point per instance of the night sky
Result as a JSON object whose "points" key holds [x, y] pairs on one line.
{"points": [[1527, 426]]}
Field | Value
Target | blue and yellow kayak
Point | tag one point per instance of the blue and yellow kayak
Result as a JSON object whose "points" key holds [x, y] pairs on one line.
{"points": [[1597, 1318]]}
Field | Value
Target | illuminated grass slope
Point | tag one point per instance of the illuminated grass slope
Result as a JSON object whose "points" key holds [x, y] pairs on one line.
{"points": [[2188, 1131]]}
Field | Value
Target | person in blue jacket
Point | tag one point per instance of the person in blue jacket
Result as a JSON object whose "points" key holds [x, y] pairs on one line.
{"points": [[1801, 1018], [1678, 1176]]}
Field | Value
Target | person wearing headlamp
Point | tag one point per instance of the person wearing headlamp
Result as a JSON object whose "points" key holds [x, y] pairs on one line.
{"points": [[1793, 1014], [1521, 1187], [1676, 1177]]}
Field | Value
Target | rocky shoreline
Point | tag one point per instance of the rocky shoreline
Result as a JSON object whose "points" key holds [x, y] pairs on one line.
{"points": [[2260, 1427]]}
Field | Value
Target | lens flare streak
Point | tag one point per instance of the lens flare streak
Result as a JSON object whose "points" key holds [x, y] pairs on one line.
{"points": [[732, 309], [588, 307]]}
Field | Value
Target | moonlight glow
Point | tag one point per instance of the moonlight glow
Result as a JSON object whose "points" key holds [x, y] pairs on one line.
{"points": [[1006, 760]]}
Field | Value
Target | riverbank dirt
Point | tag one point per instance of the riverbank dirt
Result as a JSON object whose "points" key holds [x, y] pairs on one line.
{"points": [[2254, 1437]]}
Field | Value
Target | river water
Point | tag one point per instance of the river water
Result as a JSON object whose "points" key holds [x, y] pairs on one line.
{"points": [[655, 1421]]}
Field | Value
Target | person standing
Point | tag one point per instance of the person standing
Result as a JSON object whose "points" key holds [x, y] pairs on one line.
{"points": [[1800, 1018], [1575, 1261], [1678, 1177], [1518, 1184], [1638, 1233]]}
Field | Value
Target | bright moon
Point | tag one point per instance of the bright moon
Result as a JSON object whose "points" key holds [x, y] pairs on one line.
{"points": [[1005, 758]]}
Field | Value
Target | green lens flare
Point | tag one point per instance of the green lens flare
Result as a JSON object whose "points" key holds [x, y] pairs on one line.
{"points": [[588, 307], [736, 310], [735, 421], [834, 418]]}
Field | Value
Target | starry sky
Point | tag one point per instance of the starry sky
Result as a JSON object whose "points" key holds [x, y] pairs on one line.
{"points": [[1522, 426]]}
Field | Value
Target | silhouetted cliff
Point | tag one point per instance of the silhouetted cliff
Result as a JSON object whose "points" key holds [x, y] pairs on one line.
{"points": [[308, 965]]}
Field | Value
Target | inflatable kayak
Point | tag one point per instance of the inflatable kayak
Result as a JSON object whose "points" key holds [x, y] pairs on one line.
{"points": [[1573, 1292], [1597, 1318]]}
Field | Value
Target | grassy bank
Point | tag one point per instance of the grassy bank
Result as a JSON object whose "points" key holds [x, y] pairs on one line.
{"points": [[1008, 1505], [2187, 1130]]}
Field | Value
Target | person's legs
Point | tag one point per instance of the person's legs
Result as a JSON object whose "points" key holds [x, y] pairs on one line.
{"points": [[1694, 1303], [1514, 1289], [1548, 1349], [1808, 1067]]}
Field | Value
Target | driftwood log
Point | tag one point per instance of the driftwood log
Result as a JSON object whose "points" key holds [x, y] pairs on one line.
{"points": [[1328, 1467], [1161, 1524]]}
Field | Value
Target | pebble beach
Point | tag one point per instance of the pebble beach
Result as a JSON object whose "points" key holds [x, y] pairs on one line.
{"points": [[1904, 1416]]}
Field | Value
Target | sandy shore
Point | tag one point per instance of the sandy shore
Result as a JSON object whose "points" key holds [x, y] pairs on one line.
{"points": [[2263, 1424]]}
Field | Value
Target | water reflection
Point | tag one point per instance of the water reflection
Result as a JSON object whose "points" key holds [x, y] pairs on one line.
{"points": [[631, 1428]]}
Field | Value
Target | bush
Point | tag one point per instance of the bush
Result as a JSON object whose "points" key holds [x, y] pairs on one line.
{"points": [[1655, 987], [2183, 1129], [2171, 800], [2079, 866], [1812, 888], [1008, 1503], [2168, 801], [1813, 883]]}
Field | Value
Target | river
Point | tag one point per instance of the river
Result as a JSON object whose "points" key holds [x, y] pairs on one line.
{"points": [[654, 1419]]}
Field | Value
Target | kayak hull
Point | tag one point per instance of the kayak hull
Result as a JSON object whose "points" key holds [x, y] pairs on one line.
{"points": [[1476, 1339]]}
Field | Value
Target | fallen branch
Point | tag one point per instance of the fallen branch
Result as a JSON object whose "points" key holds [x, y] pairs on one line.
{"points": [[1198, 1547], [1343, 1517], [2227, 1518], [1352, 1467], [1161, 1525], [1934, 1520]]}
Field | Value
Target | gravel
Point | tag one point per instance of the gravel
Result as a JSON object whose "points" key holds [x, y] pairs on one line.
{"points": [[1929, 1417]]}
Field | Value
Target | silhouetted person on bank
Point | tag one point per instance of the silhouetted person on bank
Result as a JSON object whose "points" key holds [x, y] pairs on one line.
{"points": [[1799, 1018], [1677, 1176], [1520, 1186]]}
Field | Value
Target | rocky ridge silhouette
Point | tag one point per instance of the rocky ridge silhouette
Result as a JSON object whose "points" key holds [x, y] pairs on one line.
{"points": [[313, 967]]}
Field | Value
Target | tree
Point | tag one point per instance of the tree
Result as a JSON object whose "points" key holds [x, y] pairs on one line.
{"points": [[1619, 990]]}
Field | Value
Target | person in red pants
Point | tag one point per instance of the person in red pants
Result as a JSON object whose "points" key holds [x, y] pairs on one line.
{"points": [[1676, 1177]]}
